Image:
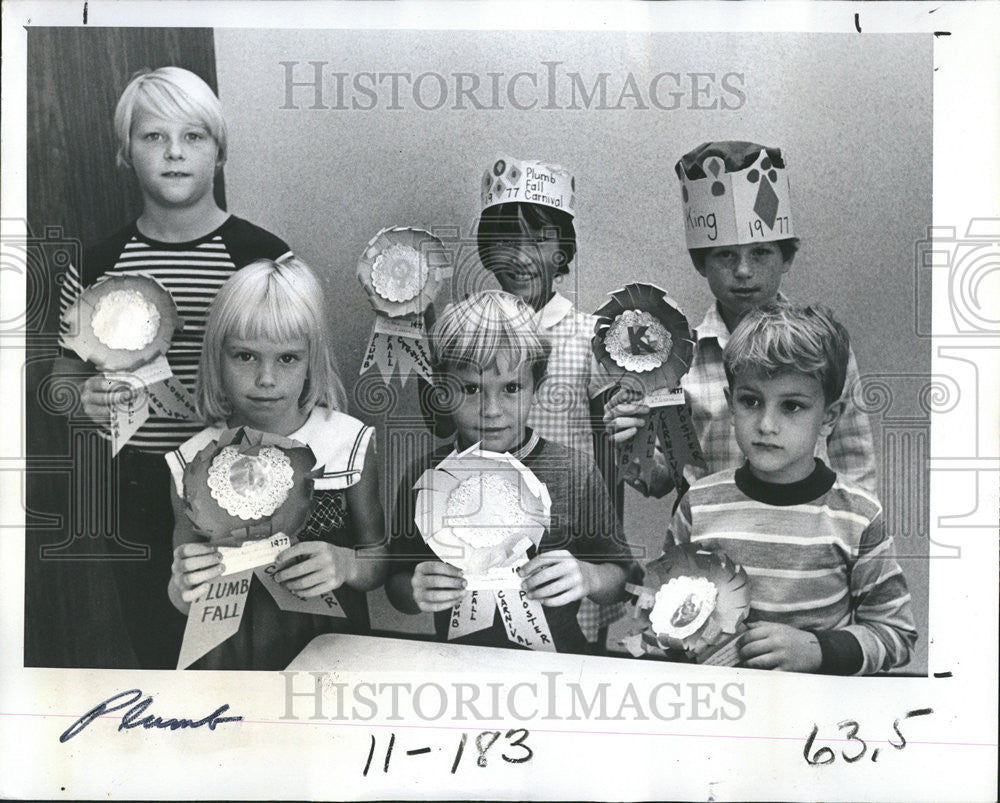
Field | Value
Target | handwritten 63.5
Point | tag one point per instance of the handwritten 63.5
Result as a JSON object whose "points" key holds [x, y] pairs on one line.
{"points": [[857, 747]]}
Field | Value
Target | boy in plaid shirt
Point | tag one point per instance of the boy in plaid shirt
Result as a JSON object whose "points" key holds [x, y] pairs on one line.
{"points": [[741, 240]]}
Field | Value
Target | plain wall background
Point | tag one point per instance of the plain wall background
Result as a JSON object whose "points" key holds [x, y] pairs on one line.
{"points": [[852, 115]]}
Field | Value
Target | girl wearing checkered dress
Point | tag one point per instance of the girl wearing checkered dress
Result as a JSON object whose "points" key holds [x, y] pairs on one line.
{"points": [[267, 365]]}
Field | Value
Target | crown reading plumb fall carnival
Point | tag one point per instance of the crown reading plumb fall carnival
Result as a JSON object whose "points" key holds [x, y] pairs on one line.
{"points": [[509, 180]]}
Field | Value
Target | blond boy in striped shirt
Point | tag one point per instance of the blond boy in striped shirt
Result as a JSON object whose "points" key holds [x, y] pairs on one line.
{"points": [[827, 592], [172, 135]]}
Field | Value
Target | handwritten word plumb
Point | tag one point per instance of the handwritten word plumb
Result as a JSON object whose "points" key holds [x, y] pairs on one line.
{"points": [[133, 717]]}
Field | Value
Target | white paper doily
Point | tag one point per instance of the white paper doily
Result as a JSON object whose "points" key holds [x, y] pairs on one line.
{"points": [[399, 273], [485, 510], [250, 486], [125, 319], [655, 336]]}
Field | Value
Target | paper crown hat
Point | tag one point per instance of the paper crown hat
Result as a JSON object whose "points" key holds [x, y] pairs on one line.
{"points": [[734, 193], [508, 180]]}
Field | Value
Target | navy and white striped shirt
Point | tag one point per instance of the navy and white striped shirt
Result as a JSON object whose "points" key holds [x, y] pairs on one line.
{"points": [[192, 272]]}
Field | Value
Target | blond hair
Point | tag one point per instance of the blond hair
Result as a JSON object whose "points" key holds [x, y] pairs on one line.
{"points": [[779, 337], [474, 333], [174, 94], [277, 302]]}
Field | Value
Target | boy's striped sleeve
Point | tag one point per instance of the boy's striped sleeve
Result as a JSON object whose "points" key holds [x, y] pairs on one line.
{"points": [[883, 620], [69, 289]]}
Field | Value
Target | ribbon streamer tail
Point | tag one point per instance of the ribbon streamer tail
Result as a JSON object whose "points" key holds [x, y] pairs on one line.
{"points": [[524, 619], [725, 654], [323, 605], [164, 398], [380, 354], [474, 613], [640, 450], [678, 439], [416, 358], [168, 398], [125, 422], [398, 346], [405, 363], [215, 617], [394, 354]]}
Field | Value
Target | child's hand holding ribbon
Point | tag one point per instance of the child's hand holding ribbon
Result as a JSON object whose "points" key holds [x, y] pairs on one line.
{"points": [[311, 568], [437, 586], [194, 565]]}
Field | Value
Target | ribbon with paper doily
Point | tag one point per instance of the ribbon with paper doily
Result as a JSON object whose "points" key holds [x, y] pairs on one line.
{"points": [[644, 339], [401, 271], [481, 512], [123, 324], [243, 493], [690, 605]]}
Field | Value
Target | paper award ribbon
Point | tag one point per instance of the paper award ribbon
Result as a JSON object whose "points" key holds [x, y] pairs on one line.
{"points": [[691, 603], [401, 271], [248, 484], [214, 617], [481, 512], [217, 615], [642, 337], [243, 492], [123, 324]]}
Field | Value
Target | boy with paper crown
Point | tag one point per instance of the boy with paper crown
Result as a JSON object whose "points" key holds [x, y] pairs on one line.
{"points": [[741, 238], [526, 238]]}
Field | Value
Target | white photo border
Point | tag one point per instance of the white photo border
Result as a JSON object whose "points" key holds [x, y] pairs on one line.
{"points": [[741, 734]]}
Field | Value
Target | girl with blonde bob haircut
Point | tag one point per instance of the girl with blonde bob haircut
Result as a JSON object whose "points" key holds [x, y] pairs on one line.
{"points": [[266, 344], [278, 302], [174, 94]]}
